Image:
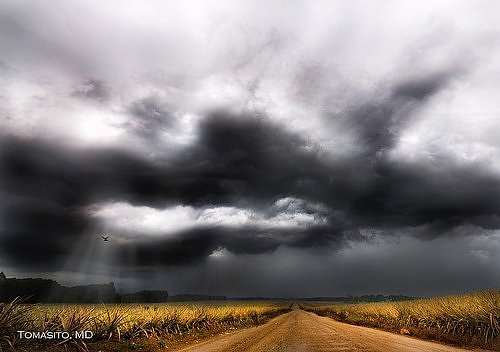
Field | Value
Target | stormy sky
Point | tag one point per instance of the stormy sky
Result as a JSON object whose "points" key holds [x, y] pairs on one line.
{"points": [[284, 148]]}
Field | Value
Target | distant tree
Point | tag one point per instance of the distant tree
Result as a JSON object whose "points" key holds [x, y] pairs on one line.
{"points": [[151, 296], [49, 291], [2, 276]]}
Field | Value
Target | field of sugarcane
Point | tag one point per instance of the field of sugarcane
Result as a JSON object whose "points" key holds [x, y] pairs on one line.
{"points": [[468, 320], [128, 322]]}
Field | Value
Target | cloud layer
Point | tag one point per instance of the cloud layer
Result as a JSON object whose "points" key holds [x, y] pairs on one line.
{"points": [[223, 138]]}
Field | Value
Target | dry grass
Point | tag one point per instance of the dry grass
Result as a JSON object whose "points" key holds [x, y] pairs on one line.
{"points": [[470, 319], [13, 317], [132, 321]]}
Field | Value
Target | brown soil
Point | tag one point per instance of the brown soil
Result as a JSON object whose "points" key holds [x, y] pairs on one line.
{"points": [[300, 331]]}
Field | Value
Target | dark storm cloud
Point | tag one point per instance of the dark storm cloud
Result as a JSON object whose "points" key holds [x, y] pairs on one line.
{"points": [[246, 159], [406, 267], [423, 86], [71, 176], [44, 189], [61, 182], [446, 193], [379, 120], [36, 231], [243, 161], [194, 246]]}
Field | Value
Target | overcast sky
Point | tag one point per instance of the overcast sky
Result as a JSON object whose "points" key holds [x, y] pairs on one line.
{"points": [[278, 148]]}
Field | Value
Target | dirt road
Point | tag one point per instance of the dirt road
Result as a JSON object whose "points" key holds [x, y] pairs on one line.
{"points": [[300, 331]]}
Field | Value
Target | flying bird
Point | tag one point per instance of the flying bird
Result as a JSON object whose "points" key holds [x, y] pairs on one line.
{"points": [[105, 238]]}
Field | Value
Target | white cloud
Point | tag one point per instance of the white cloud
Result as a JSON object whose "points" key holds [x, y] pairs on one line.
{"points": [[124, 219]]}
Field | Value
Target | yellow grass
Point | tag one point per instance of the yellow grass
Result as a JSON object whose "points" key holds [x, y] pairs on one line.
{"points": [[129, 321], [467, 319]]}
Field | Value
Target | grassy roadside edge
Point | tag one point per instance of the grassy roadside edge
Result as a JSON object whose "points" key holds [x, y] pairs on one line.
{"points": [[439, 319], [161, 331]]}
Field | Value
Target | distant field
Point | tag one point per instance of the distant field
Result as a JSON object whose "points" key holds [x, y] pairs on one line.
{"points": [[467, 320], [129, 322]]}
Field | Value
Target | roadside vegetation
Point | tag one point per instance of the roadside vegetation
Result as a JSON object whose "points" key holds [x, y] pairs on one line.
{"points": [[128, 323], [471, 320]]}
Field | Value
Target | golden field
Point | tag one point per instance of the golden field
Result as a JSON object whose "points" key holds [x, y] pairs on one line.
{"points": [[469, 319], [127, 322], [466, 320]]}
